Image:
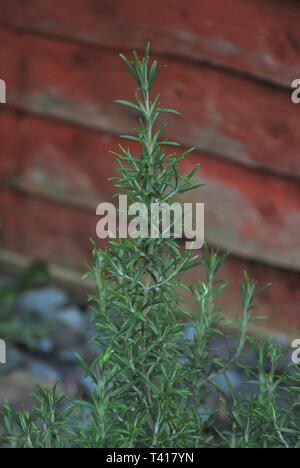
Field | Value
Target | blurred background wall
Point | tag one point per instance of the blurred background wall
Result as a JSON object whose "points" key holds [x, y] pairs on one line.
{"points": [[230, 68]]}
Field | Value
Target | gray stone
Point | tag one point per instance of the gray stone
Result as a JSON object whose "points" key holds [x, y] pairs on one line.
{"points": [[72, 318], [43, 371], [90, 351], [203, 413], [189, 333], [88, 384], [68, 356], [229, 382], [65, 338], [46, 345], [42, 302], [6, 280], [14, 359]]}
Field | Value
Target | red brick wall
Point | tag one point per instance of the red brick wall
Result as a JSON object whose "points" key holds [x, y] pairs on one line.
{"points": [[230, 68]]}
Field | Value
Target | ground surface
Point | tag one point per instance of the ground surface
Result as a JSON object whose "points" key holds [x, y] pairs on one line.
{"points": [[66, 330]]}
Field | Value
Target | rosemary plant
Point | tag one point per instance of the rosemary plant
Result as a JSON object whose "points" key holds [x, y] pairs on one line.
{"points": [[151, 384], [142, 401]]}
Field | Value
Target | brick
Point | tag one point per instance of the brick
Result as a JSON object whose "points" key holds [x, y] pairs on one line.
{"points": [[60, 235], [47, 231], [279, 303], [229, 116], [9, 62], [260, 37], [253, 214], [8, 127], [62, 161]]}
